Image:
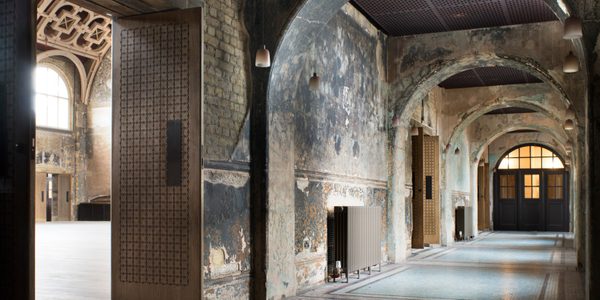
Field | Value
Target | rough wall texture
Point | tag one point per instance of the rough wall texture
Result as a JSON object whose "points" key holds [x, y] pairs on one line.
{"points": [[227, 238], [99, 132], [226, 233], [339, 134]]}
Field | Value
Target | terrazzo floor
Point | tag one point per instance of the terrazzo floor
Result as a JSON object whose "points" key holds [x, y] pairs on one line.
{"points": [[498, 265]]}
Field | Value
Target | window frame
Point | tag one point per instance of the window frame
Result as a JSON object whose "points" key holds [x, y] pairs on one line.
{"points": [[70, 95], [508, 155]]}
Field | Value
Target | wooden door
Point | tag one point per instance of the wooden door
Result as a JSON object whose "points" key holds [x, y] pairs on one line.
{"points": [[426, 201], [156, 170], [483, 204], [531, 209], [557, 201], [506, 209], [63, 200], [40, 196]]}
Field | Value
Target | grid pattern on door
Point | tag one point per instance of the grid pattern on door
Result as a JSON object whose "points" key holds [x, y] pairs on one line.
{"points": [[154, 217]]}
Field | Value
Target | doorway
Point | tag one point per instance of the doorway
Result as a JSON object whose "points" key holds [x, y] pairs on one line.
{"points": [[53, 196], [531, 191]]}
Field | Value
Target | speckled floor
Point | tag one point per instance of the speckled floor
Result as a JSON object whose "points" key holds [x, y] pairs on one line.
{"points": [[499, 265], [72, 260]]}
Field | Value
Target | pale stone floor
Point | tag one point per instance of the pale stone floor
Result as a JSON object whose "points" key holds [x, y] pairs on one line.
{"points": [[499, 265], [72, 260]]}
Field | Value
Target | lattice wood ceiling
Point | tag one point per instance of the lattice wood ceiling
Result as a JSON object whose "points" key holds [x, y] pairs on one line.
{"points": [[408, 17], [488, 76], [65, 26]]}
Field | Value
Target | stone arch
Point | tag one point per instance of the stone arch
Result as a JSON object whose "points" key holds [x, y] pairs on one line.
{"points": [[483, 108], [83, 78], [562, 140], [410, 97], [306, 21]]}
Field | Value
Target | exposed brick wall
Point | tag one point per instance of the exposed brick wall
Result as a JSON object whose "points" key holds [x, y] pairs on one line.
{"points": [[226, 64]]}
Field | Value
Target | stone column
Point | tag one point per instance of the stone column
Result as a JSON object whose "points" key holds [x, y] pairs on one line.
{"points": [[397, 237]]}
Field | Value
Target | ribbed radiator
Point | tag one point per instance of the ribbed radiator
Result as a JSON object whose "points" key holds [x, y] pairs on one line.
{"points": [[357, 237]]}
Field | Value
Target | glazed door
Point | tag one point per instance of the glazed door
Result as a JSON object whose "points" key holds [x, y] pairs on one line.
{"points": [[557, 202], [506, 209], [156, 169], [531, 216]]}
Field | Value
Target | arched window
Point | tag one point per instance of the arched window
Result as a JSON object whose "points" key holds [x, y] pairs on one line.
{"points": [[531, 157], [51, 100]]}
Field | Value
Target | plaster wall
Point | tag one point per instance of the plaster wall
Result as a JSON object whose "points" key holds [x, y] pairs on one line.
{"points": [[99, 132], [340, 140]]}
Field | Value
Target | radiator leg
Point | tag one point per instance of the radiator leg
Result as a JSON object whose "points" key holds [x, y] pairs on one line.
{"points": [[369, 270], [358, 272]]}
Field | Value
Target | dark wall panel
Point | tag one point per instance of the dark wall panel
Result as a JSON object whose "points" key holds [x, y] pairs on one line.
{"points": [[16, 215]]}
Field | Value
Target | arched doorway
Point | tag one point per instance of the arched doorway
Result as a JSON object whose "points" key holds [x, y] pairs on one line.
{"points": [[531, 190]]}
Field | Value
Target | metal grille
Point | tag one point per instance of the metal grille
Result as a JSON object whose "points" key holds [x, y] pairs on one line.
{"points": [[431, 210], [488, 76], [154, 217], [398, 18]]}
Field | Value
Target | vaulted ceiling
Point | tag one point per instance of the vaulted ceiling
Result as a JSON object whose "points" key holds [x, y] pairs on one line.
{"points": [[488, 76], [409, 17]]}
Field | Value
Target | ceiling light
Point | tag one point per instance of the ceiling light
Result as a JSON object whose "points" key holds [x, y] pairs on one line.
{"points": [[263, 57], [569, 124], [571, 64], [314, 82], [572, 28]]}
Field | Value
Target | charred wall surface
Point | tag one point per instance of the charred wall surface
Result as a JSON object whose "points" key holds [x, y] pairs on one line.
{"points": [[339, 134]]}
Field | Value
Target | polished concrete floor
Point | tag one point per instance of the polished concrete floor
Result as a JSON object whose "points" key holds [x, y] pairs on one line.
{"points": [[72, 260], [499, 265]]}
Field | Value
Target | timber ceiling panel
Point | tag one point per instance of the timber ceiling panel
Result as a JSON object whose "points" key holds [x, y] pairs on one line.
{"points": [[488, 76], [408, 17]]}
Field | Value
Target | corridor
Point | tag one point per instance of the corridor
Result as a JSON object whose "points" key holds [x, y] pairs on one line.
{"points": [[499, 265]]}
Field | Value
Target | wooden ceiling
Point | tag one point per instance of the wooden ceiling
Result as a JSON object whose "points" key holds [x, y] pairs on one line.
{"points": [[119, 8], [408, 17], [65, 26]]}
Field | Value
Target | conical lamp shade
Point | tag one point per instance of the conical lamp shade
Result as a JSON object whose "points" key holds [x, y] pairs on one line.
{"points": [[571, 64], [263, 58], [569, 124], [314, 82], [573, 28]]}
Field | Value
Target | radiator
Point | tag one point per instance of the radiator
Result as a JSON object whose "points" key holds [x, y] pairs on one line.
{"points": [[357, 237]]}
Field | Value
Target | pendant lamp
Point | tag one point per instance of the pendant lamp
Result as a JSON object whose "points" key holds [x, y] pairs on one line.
{"points": [[572, 28], [314, 82], [569, 124], [571, 64], [263, 57]]}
